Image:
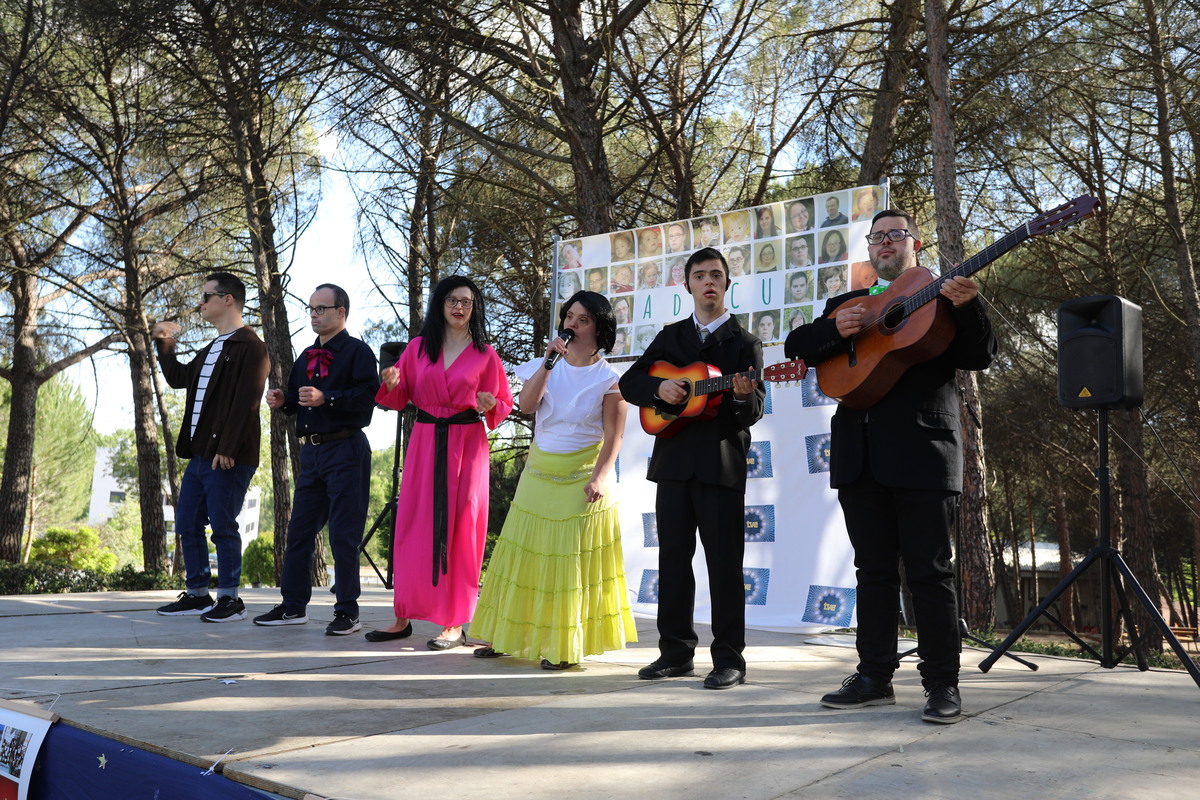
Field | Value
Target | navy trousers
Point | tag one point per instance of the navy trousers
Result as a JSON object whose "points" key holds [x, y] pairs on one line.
{"points": [[334, 488]]}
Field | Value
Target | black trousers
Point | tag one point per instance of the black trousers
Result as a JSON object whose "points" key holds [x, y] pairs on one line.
{"points": [[887, 525], [718, 512]]}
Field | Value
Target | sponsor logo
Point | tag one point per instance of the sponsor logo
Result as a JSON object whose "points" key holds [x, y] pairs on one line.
{"points": [[760, 523], [758, 461], [817, 446], [829, 605], [755, 581]]}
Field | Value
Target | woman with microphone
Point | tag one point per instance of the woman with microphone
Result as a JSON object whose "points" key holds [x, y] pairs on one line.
{"points": [[555, 587]]}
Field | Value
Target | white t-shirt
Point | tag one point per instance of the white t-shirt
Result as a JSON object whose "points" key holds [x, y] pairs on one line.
{"points": [[571, 415]]}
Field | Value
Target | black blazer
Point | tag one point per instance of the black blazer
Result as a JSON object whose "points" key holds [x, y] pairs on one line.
{"points": [[914, 434], [712, 451]]}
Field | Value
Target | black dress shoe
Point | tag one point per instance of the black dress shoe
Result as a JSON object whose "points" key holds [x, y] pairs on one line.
{"points": [[487, 652], [724, 678], [859, 691], [446, 644], [561, 665], [387, 636], [944, 704], [661, 669]]}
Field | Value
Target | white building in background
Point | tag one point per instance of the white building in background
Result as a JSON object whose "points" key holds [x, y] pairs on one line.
{"points": [[107, 494]]}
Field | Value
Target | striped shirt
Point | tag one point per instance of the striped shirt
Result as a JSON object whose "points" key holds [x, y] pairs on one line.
{"points": [[206, 371]]}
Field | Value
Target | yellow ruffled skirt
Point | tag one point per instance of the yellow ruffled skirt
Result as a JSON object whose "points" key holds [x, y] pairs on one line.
{"points": [[555, 586]]}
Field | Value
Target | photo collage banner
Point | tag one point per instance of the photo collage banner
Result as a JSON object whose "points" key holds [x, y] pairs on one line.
{"points": [[785, 259]]}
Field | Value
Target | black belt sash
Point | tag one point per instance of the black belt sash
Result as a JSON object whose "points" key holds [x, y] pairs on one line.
{"points": [[441, 515]]}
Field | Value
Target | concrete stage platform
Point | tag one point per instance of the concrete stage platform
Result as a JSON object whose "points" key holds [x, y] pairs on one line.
{"points": [[338, 717]]}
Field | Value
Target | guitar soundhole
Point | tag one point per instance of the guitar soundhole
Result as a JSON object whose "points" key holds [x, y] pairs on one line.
{"points": [[893, 316]]}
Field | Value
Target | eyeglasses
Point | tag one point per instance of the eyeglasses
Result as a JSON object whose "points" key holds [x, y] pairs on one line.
{"points": [[319, 310], [894, 235], [459, 302], [206, 295]]}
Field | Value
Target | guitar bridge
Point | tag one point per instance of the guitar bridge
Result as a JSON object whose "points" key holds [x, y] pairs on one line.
{"points": [[853, 354]]}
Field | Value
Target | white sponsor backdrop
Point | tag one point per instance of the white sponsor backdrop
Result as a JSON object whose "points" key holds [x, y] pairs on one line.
{"points": [[798, 563]]}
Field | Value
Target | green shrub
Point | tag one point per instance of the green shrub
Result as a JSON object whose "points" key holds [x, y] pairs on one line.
{"points": [[78, 549], [258, 562], [54, 578]]}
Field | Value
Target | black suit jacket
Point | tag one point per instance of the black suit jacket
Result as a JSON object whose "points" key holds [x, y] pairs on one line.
{"points": [[912, 436], [713, 451]]}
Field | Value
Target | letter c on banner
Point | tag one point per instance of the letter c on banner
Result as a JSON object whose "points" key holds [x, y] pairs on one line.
{"points": [[733, 303]]}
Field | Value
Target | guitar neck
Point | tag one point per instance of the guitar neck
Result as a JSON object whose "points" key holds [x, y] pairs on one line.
{"points": [[969, 267], [719, 383]]}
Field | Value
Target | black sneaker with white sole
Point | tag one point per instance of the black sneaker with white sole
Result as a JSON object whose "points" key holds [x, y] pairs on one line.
{"points": [[227, 609], [279, 616], [342, 624], [187, 605]]}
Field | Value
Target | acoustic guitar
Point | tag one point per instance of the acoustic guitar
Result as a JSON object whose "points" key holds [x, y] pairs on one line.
{"points": [[902, 327], [705, 386]]}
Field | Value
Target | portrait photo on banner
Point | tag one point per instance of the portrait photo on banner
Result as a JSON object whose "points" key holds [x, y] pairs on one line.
{"points": [[785, 257]]}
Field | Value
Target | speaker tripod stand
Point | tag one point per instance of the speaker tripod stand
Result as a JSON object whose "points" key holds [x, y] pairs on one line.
{"points": [[1112, 569]]}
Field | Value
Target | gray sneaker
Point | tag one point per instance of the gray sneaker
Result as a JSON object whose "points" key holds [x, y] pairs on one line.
{"points": [[279, 616], [227, 609]]}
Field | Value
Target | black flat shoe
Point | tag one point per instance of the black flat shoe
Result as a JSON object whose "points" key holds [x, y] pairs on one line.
{"points": [[486, 652], [446, 644], [387, 636], [557, 667]]}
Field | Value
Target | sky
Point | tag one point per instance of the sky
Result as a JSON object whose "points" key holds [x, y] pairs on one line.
{"points": [[324, 254]]}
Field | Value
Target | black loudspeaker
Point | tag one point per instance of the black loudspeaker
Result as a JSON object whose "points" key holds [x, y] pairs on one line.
{"points": [[389, 354], [1100, 353]]}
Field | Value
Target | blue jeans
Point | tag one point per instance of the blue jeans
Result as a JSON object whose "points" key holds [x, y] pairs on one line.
{"points": [[213, 497]]}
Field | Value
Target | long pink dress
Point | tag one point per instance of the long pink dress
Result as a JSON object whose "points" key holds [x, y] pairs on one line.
{"points": [[444, 393]]}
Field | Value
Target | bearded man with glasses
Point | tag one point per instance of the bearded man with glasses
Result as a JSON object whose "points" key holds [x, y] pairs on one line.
{"points": [[331, 392], [220, 438], [897, 467]]}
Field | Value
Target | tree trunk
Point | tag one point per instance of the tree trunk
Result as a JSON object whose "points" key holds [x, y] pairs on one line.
{"points": [[1138, 547], [579, 111], [978, 585], [889, 96], [1065, 560], [22, 417]]}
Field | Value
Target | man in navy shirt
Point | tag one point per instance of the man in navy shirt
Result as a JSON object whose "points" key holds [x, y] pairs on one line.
{"points": [[332, 393]]}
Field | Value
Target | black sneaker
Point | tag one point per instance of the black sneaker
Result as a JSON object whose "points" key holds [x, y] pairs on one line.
{"points": [[944, 704], [279, 616], [342, 624], [859, 691], [187, 605], [227, 609]]}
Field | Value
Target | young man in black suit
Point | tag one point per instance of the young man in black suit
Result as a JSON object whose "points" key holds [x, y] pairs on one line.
{"points": [[701, 476], [897, 467]]}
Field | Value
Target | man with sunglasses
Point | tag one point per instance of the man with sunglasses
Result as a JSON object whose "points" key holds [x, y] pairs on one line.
{"points": [[897, 467], [220, 438], [331, 392]]}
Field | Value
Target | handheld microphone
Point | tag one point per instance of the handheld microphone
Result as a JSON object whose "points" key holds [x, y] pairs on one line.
{"points": [[566, 334]]}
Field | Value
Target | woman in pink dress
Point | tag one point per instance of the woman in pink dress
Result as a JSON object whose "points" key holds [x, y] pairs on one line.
{"points": [[458, 384]]}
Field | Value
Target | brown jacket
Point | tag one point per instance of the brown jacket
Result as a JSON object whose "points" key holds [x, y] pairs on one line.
{"points": [[228, 423]]}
